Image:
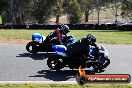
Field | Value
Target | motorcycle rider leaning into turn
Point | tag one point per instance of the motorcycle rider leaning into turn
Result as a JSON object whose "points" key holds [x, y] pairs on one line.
{"points": [[57, 34], [81, 49]]}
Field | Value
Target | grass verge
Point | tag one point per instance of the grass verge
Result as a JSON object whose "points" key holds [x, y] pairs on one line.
{"points": [[103, 36], [64, 86]]}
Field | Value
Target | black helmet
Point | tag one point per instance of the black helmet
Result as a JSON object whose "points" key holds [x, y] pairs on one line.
{"points": [[91, 38], [64, 28]]}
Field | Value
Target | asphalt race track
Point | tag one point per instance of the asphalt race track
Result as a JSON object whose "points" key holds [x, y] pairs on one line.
{"points": [[16, 64]]}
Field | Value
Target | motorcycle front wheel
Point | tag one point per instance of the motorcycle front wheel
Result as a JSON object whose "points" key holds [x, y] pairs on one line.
{"points": [[32, 47]]}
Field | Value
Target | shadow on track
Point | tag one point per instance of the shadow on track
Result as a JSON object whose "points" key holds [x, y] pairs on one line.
{"points": [[39, 56], [62, 75], [53, 75]]}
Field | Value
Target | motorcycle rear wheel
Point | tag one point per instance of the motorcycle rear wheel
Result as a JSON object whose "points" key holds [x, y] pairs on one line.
{"points": [[55, 62]]}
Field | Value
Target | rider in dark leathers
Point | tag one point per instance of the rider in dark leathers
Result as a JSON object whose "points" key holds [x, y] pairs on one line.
{"points": [[81, 48]]}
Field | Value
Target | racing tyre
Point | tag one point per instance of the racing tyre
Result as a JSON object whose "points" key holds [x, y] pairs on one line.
{"points": [[55, 62], [32, 47], [107, 63]]}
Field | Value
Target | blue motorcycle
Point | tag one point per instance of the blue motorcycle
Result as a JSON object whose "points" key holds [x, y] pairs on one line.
{"points": [[61, 59], [41, 43]]}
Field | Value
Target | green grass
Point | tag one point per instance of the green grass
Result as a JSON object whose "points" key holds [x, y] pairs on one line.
{"points": [[64, 86], [103, 36]]}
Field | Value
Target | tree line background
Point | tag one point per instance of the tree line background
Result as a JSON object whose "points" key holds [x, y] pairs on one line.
{"points": [[23, 11]]}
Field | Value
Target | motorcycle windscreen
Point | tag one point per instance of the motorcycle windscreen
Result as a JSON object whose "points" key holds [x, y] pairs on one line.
{"points": [[59, 48]]}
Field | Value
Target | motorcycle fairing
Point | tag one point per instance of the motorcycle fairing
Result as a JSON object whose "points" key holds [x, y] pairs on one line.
{"points": [[59, 48], [38, 37]]}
